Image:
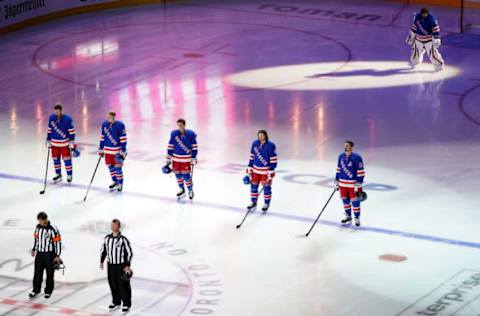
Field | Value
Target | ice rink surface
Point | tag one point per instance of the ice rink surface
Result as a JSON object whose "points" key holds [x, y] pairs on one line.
{"points": [[313, 74]]}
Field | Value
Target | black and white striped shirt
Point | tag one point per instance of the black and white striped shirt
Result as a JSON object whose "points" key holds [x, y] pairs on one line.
{"points": [[47, 239], [117, 250]]}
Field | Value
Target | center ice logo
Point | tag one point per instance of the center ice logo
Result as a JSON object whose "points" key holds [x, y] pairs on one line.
{"points": [[167, 280]]}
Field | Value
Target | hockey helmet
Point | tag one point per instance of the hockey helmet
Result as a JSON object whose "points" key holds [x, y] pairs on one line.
{"points": [[59, 265], [127, 275], [166, 169], [119, 159], [361, 196], [246, 179]]}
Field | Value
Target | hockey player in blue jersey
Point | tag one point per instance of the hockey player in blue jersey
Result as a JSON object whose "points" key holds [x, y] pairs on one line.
{"points": [[113, 145], [349, 180], [261, 169], [424, 36], [182, 151], [61, 141]]}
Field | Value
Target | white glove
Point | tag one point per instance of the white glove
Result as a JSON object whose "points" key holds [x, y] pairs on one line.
{"points": [[100, 152], [437, 42], [193, 161], [72, 146], [49, 144], [337, 184]]}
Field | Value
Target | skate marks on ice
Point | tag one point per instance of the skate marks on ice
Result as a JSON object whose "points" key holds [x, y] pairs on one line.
{"points": [[90, 298], [285, 216], [341, 76]]}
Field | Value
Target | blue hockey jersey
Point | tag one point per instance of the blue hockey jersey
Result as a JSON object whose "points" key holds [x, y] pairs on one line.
{"points": [[263, 157], [349, 170], [425, 29], [182, 147], [60, 130], [113, 138]]}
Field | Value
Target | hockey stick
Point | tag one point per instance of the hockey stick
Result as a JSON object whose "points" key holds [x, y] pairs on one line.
{"points": [[93, 176], [323, 209], [249, 211], [46, 173]]}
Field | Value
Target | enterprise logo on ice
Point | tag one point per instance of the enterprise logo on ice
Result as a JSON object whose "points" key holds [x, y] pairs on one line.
{"points": [[458, 295]]}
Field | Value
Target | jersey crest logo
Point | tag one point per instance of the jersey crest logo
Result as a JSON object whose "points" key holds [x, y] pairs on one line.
{"points": [[259, 156], [58, 130], [182, 145], [345, 169], [109, 136], [420, 27]]}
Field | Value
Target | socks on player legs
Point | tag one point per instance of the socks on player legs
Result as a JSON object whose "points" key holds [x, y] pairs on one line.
{"points": [[188, 181], [113, 173], [254, 192], [347, 207], [180, 181], [68, 165], [119, 174], [356, 208], [57, 165], [267, 193]]}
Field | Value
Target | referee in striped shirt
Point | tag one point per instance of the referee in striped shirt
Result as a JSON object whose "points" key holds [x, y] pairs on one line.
{"points": [[118, 252], [47, 247]]}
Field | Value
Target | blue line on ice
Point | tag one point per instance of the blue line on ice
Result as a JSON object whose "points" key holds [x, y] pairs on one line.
{"points": [[378, 230]]}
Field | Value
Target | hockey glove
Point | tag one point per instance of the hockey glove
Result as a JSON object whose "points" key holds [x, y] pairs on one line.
{"points": [[71, 146], [410, 40], [337, 185], [100, 152], [358, 187], [437, 42], [270, 176], [194, 161], [49, 144]]}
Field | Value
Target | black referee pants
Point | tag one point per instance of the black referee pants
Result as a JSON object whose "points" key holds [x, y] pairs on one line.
{"points": [[43, 261], [121, 290]]}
